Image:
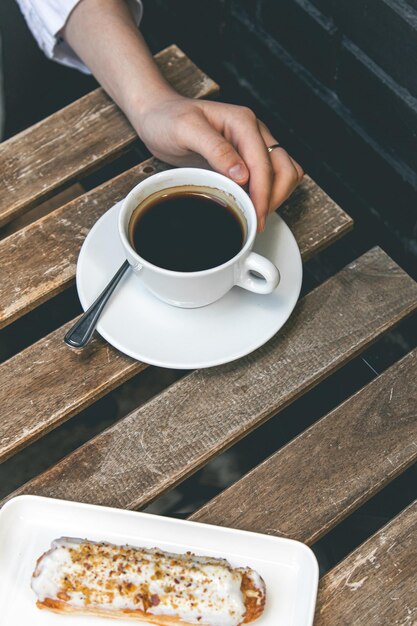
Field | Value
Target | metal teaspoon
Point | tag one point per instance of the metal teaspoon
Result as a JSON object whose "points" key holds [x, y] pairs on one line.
{"points": [[80, 334]]}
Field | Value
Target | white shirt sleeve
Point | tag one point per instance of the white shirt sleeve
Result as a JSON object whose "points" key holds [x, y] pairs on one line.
{"points": [[46, 19]]}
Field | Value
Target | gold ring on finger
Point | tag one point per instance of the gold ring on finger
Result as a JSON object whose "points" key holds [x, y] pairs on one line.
{"points": [[274, 146]]}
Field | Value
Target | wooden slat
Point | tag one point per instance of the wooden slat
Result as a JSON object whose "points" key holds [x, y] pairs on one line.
{"points": [[30, 411], [79, 138], [330, 222], [46, 252], [178, 431], [376, 584], [333, 467]]}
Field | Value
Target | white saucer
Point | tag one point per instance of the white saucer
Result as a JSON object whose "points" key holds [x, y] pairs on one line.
{"points": [[147, 329]]}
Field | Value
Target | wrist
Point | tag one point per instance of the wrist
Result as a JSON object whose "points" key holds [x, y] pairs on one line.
{"points": [[142, 101]]}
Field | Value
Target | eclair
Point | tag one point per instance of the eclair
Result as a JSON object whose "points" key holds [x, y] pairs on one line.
{"points": [[146, 584]]}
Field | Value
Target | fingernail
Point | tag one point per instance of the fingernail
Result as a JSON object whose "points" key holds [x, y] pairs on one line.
{"points": [[237, 172]]}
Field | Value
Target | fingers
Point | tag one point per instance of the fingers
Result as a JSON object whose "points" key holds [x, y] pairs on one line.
{"points": [[234, 143], [287, 172], [199, 136], [299, 169], [242, 127]]}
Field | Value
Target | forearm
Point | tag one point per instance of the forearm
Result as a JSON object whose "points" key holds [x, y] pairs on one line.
{"points": [[104, 35]]}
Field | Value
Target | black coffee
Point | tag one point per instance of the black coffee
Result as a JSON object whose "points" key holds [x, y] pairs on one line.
{"points": [[186, 231]]}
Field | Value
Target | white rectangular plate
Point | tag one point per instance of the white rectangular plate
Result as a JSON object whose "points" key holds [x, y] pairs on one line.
{"points": [[28, 524]]}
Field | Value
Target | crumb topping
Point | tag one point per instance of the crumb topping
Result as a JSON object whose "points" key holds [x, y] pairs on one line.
{"points": [[200, 590]]}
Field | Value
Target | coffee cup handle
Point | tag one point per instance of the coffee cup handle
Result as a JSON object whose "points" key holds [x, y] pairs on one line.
{"points": [[257, 274]]}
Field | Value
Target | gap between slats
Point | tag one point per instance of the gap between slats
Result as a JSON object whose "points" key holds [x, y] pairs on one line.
{"points": [[60, 199]]}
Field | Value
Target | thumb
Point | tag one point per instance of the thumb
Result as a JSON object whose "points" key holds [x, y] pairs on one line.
{"points": [[216, 150]]}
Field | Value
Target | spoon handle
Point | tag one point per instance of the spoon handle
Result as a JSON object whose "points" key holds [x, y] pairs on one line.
{"points": [[80, 334]]}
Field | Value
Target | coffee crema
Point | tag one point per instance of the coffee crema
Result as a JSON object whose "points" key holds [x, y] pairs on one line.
{"points": [[186, 230]]}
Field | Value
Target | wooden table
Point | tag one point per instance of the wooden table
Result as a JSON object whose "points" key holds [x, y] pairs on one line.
{"points": [[308, 486]]}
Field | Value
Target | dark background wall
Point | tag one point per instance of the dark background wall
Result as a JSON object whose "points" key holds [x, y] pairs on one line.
{"points": [[335, 79], [34, 86]]}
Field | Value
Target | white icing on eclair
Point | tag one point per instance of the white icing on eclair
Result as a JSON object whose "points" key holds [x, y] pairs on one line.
{"points": [[198, 590]]}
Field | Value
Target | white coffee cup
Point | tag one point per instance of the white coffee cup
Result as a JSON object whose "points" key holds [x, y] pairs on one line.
{"points": [[194, 289]]}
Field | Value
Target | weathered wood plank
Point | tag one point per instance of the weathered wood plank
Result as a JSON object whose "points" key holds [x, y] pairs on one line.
{"points": [[164, 441], [327, 221], [311, 484], [46, 251], [42, 209], [376, 584], [28, 382], [79, 138], [48, 383]]}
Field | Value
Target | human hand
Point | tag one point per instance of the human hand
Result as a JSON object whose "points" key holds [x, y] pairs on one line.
{"points": [[178, 130], [226, 137]]}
